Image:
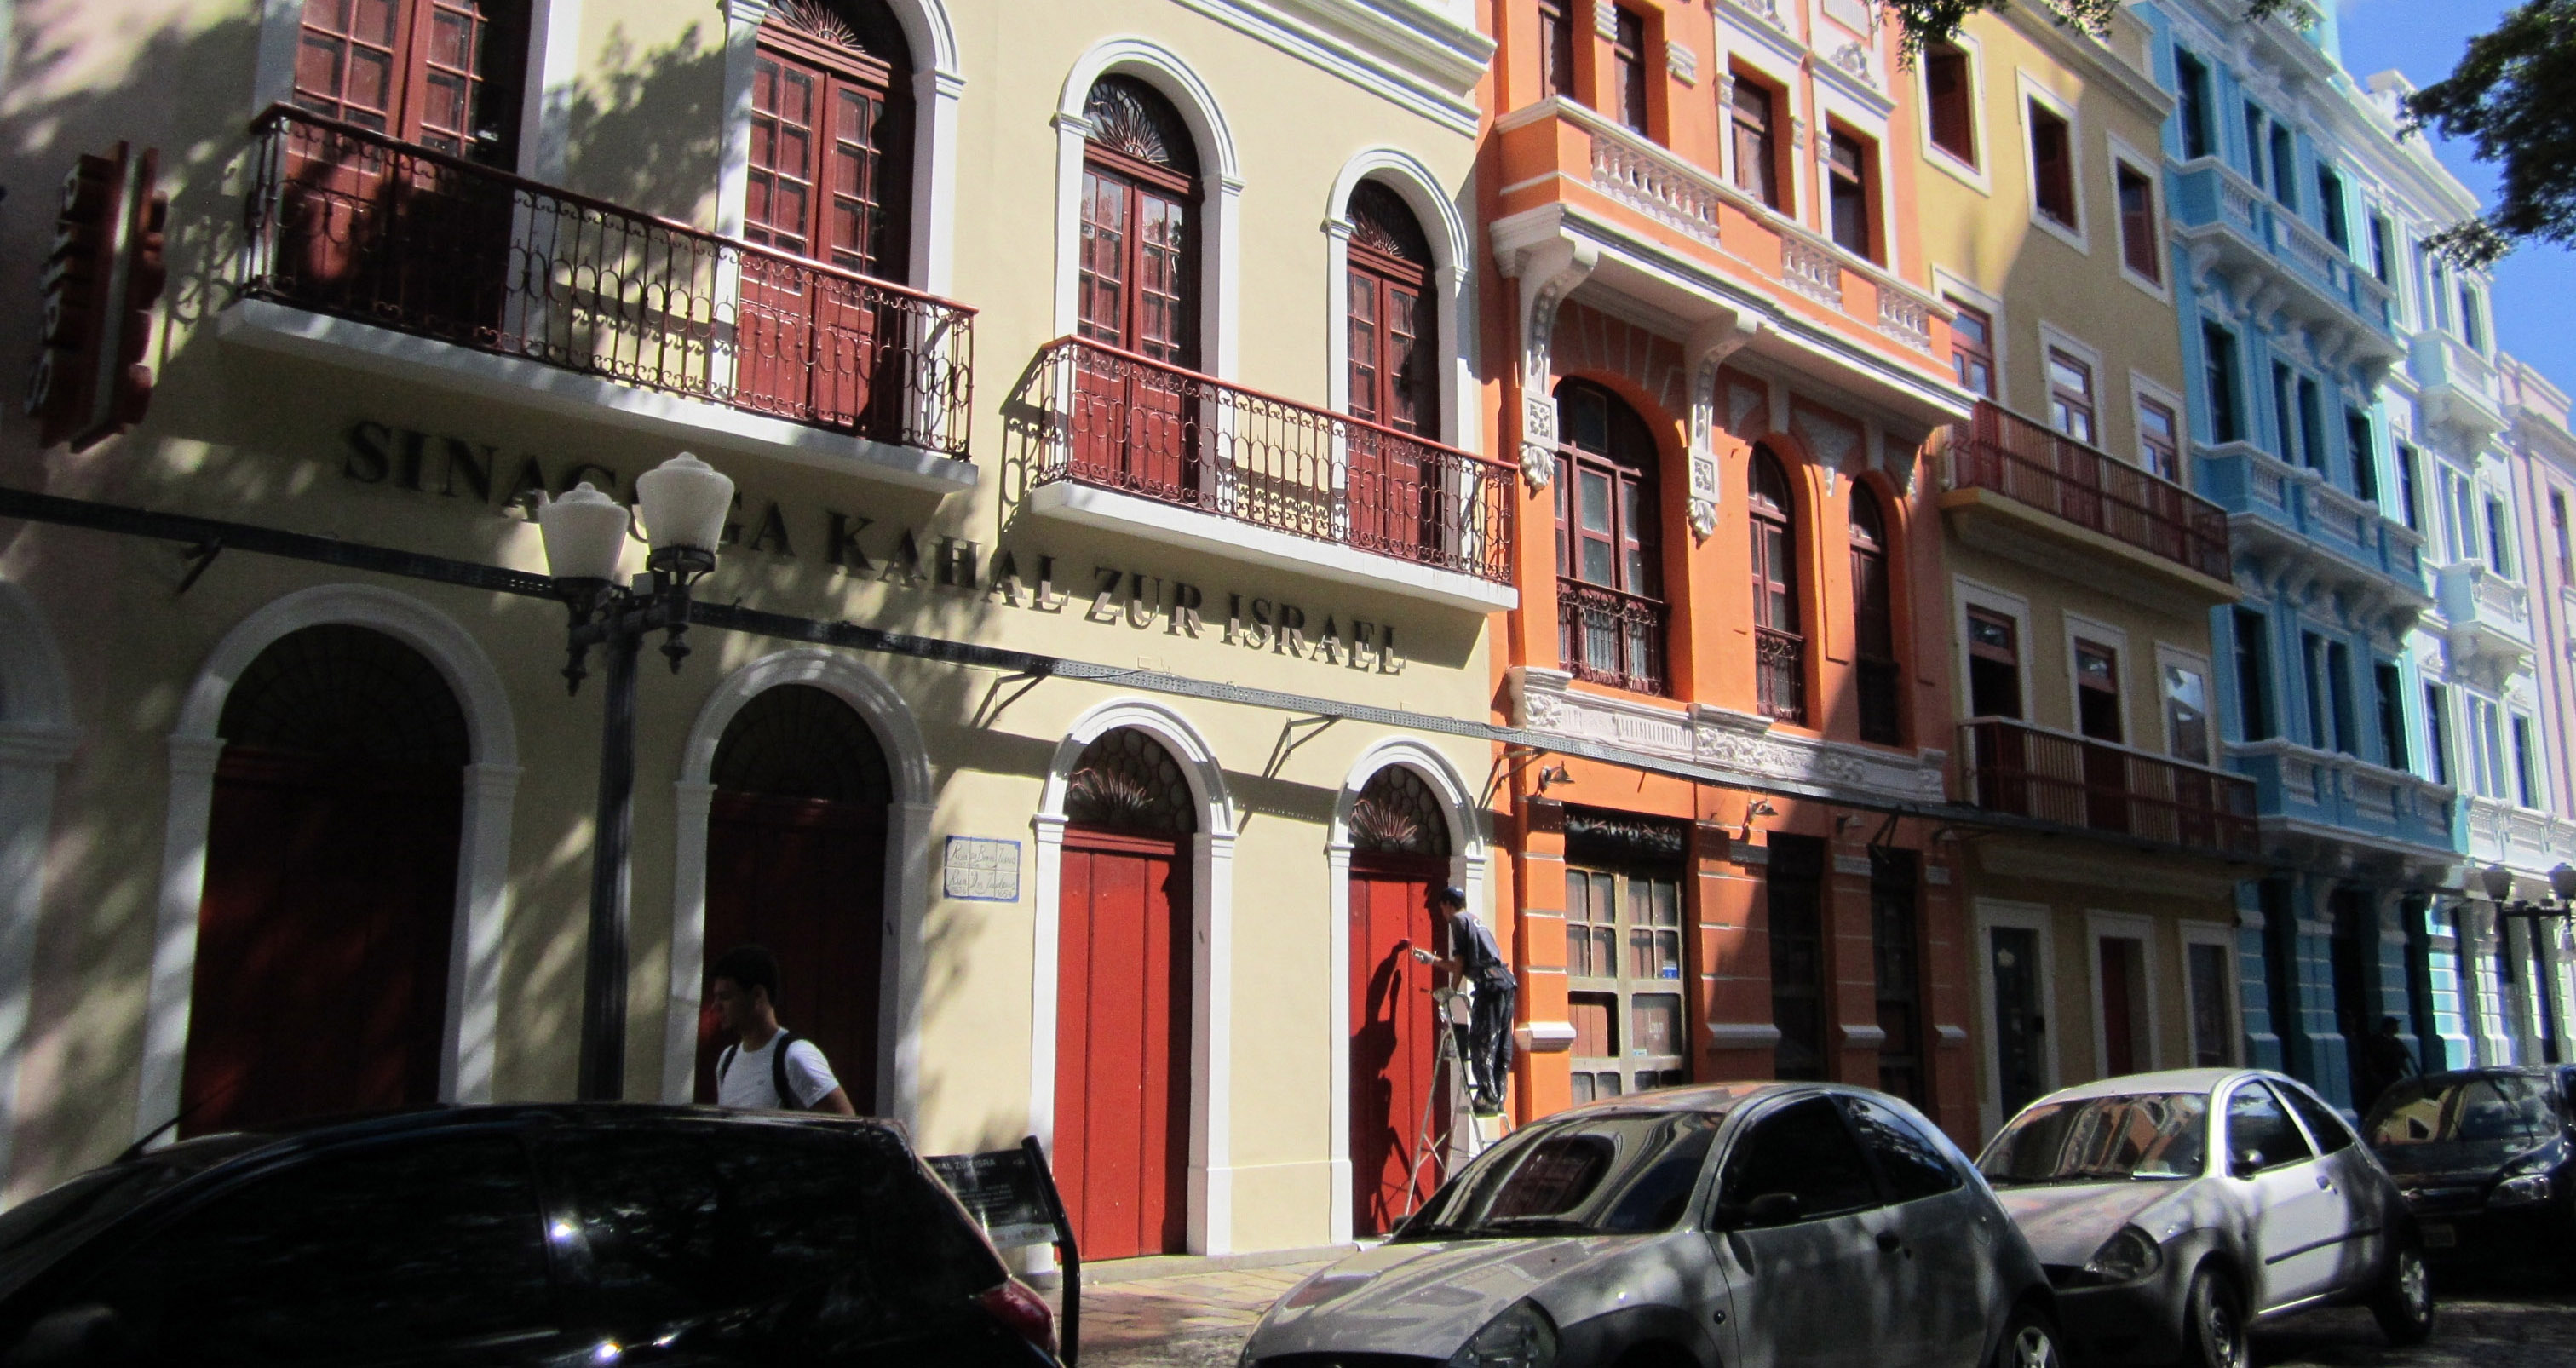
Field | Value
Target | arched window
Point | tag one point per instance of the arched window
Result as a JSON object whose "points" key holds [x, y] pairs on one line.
{"points": [[1609, 550], [1874, 623], [1394, 335], [831, 137], [1779, 640], [442, 73], [1140, 196]]}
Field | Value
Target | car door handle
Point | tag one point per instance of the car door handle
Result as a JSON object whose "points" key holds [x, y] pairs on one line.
{"points": [[1888, 1242], [2324, 1184]]}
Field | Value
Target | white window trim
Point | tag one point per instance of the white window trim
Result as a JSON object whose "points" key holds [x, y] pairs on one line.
{"points": [[1975, 177], [2143, 388], [2233, 1029], [1789, 155], [2123, 155], [1966, 594], [2036, 918], [2100, 926], [2198, 664], [2074, 626], [2032, 92], [2053, 337], [1453, 304], [1999, 339]]}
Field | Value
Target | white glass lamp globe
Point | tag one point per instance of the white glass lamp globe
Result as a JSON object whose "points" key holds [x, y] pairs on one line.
{"points": [[684, 502], [585, 534]]}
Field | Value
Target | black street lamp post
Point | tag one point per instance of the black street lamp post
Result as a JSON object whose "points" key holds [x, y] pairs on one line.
{"points": [[683, 503], [2560, 905]]}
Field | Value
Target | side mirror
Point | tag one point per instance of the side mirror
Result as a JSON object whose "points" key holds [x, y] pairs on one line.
{"points": [[71, 1337], [1772, 1209], [2246, 1164]]}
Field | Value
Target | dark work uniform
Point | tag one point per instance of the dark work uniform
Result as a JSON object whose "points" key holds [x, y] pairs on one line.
{"points": [[1488, 1036]]}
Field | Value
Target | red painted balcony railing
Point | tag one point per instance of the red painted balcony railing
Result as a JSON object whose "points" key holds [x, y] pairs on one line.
{"points": [[1135, 425], [1611, 638], [1780, 675], [346, 221], [2030, 464], [2077, 782]]}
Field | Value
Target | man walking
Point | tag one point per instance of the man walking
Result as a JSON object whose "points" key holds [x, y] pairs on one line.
{"points": [[766, 1068], [2385, 1062], [1474, 959]]}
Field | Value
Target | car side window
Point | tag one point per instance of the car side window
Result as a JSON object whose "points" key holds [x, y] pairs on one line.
{"points": [[1805, 1150], [2330, 1132], [1911, 1163], [350, 1257], [2256, 1123]]}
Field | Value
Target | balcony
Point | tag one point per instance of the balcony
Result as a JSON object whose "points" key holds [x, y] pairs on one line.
{"points": [[2488, 618], [2279, 514], [1780, 676], [2005, 469], [1612, 638], [2329, 799], [1170, 455], [2457, 386], [2506, 833], [363, 250], [2274, 261], [2075, 781]]}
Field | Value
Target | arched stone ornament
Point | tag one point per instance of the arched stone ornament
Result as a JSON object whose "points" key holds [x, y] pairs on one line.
{"points": [[1467, 848], [907, 867], [1547, 271], [1710, 346], [483, 847]]}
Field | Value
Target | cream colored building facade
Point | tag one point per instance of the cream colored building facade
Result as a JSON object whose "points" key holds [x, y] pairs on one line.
{"points": [[1015, 519], [2082, 573]]}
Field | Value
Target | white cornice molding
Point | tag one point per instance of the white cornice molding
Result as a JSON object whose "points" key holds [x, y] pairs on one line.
{"points": [[1399, 50], [2088, 54]]}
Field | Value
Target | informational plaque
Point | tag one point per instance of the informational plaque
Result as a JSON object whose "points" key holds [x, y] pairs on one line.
{"points": [[983, 869], [999, 1188]]}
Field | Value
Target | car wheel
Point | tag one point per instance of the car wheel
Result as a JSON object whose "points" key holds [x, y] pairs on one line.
{"points": [[2030, 1342], [2404, 1302], [2217, 1324]]}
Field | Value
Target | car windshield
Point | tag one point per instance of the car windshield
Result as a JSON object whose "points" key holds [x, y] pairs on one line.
{"points": [[2101, 1139], [2511, 1109], [1614, 1173]]}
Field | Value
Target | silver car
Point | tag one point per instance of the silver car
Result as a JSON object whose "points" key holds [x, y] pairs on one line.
{"points": [[1747, 1224], [2174, 1210]]}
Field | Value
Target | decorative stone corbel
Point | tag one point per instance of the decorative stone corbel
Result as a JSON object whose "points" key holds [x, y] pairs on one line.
{"points": [[1709, 347], [1547, 273]]}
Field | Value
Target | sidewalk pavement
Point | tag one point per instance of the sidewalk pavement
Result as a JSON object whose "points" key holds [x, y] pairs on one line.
{"points": [[1194, 1317]]}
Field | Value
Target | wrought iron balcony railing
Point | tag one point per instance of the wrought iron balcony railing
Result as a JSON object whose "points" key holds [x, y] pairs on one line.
{"points": [[2079, 782], [1611, 638], [2030, 464], [350, 222], [1128, 423], [1780, 675]]}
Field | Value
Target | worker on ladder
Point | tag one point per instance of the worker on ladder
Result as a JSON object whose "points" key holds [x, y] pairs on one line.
{"points": [[1475, 960]]}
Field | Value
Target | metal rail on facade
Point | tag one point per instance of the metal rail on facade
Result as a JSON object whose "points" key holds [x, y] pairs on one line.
{"points": [[216, 533]]}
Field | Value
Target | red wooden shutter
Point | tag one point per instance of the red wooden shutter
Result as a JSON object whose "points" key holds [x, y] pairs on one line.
{"points": [[441, 73]]}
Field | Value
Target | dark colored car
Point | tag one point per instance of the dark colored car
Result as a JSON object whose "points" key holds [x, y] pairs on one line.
{"points": [[517, 1235], [2486, 1159]]}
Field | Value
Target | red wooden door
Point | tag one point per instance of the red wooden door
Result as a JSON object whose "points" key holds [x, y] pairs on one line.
{"points": [[826, 144], [322, 940], [1137, 427], [1393, 1050], [1395, 501], [1122, 1042], [805, 877]]}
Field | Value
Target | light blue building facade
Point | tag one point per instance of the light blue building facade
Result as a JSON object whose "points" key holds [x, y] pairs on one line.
{"points": [[2343, 403]]}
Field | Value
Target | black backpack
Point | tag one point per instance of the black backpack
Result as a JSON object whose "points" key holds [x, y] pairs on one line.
{"points": [[777, 1069]]}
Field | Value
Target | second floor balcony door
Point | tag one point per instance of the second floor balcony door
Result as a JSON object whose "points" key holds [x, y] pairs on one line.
{"points": [[1609, 551], [1780, 646], [829, 182], [383, 217], [1139, 294], [1395, 499]]}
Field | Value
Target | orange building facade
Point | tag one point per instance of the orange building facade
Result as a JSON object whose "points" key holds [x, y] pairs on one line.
{"points": [[1709, 343]]}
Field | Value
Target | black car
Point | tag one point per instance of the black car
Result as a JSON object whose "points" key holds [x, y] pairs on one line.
{"points": [[516, 1235], [2486, 1159]]}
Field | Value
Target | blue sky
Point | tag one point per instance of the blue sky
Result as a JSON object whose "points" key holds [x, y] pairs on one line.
{"points": [[2424, 39]]}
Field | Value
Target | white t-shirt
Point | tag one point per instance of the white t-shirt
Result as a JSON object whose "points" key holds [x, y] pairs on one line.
{"points": [[747, 1082]]}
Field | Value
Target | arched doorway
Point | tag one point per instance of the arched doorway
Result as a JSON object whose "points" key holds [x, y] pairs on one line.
{"points": [[330, 889], [1122, 1105], [1399, 855], [796, 849]]}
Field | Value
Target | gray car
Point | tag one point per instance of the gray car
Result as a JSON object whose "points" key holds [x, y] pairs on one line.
{"points": [[2174, 1210], [1750, 1224]]}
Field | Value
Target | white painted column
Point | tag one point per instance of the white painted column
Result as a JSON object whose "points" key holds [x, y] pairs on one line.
{"points": [[1211, 1225], [1337, 1016], [474, 961], [690, 802], [31, 756], [899, 998], [174, 940]]}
